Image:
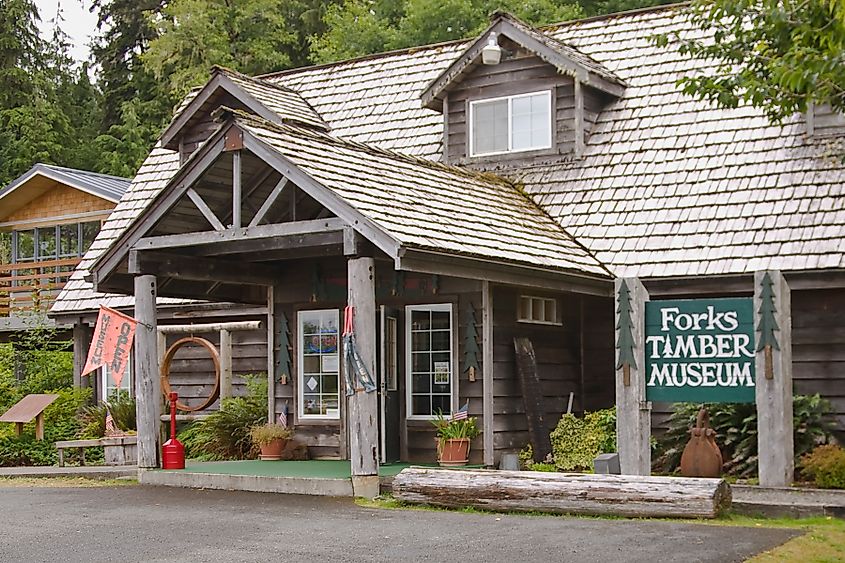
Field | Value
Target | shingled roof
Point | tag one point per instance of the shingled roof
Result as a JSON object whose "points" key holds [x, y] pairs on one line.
{"points": [[668, 186]]}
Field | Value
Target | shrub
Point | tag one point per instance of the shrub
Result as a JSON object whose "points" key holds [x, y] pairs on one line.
{"points": [[736, 433], [577, 441], [122, 407], [26, 450], [224, 434], [825, 465]]}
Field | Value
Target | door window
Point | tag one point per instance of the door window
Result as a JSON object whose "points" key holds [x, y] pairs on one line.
{"points": [[319, 365], [430, 369]]}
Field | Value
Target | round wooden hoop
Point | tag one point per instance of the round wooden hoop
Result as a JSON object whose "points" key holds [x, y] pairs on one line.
{"points": [[165, 372]]}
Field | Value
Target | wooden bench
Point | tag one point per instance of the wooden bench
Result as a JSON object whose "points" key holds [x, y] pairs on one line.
{"points": [[119, 450]]}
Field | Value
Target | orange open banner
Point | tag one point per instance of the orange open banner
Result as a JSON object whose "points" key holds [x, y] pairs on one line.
{"points": [[111, 344]]}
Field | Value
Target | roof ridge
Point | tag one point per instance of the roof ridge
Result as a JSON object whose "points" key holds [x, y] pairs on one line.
{"points": [[81, 171], [453, 42]]}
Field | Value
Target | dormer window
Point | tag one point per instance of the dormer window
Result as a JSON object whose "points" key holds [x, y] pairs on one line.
{"points": [[511, 124]]}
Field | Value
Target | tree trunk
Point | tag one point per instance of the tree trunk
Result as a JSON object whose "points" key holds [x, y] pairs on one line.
{"points": [[617, 495]]}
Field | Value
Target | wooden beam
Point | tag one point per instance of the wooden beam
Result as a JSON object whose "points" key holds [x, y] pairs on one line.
{"points": [[236, 189], [633, 412], [362, 410], [498, 272], [225, 365], [773, 384], [271, 345], [240, 234], [82, 334], [197, 328], [579, 119], [268, 203], [351, 242], [147, 381], [487, 373], [180, 266], [205, 209]]}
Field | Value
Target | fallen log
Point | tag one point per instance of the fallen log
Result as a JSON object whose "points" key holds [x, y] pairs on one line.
{"points": [[566, 493]]}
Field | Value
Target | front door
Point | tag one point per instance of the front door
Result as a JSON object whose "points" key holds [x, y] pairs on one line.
{"points": [[389, 382]]}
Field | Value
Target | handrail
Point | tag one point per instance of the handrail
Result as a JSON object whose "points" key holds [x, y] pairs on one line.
{"points": [[37, 288]]}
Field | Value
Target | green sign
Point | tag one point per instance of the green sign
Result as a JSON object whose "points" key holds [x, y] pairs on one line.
{"points": [[700, 350]]}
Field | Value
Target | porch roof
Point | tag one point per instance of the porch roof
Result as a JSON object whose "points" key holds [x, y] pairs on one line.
{"points": [[400, 203]]}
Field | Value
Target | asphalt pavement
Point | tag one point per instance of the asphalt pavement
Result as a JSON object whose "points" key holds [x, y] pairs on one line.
{"points": [[142, 523]]}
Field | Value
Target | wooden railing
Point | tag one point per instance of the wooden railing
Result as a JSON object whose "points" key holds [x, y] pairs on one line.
{"points": [[32, 285]]}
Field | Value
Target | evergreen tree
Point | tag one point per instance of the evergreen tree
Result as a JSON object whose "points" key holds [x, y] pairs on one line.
{"points": [[625, 338]]}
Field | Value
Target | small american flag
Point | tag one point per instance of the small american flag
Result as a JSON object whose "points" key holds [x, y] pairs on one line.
{"points": [[111, 428], [462, 413], [283, 416]]}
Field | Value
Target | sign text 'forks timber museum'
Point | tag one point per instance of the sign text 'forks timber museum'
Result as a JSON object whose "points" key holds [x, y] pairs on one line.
{"points": [[700, 350]]}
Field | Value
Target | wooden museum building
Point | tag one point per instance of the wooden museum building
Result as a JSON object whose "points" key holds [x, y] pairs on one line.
{"points": [[459, 197]]}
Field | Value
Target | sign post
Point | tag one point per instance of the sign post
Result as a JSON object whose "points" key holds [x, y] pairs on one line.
{"points": [[633, 411], [773, 359]]}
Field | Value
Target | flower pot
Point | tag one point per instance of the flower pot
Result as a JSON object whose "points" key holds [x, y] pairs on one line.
{"points": [[453, 452], [272, 451]]}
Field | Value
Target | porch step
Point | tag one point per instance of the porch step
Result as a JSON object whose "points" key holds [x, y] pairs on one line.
{"points": [[256, 483], [787, 502]]}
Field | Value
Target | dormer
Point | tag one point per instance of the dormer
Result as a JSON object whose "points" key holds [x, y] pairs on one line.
{"points": [[824, 122], [194, 122], [517, 96]]}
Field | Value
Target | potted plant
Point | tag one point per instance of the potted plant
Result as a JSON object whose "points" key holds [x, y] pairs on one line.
{"points": [[271, 438], [453, 439]]}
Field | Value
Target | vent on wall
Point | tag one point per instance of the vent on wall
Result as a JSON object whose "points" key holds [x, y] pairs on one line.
{"points": [[823, 121]]}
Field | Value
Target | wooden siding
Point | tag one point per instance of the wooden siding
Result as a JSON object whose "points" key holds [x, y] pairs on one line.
{"points": [[192, 370], [557, 348], [524, 73], [822, 121], [59, 201], [597, 353], [205, 126]]}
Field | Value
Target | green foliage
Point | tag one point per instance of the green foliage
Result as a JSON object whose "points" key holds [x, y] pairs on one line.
{"points": [[544, 467], [224, 434], [790, 57], [825, 465], [361, 27], [264, 434], [455, 429], [123, 410], [736, 433], [577, 441], [26, 450]]}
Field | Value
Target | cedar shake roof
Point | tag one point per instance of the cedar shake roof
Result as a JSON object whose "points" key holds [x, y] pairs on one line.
{"points": [[669, 186]]}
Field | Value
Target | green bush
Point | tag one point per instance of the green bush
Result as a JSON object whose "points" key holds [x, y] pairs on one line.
{"points": [[577, 441], [224, 434], [736, 433], [825, 465], [122, 407], [26, 450]]}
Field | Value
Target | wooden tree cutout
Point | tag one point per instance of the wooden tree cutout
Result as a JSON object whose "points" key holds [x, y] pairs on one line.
{"points": [[625, 343], [767, 324], [470, 342], [284, 349]]}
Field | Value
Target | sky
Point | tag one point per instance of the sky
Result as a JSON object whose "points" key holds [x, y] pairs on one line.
{"points": [[79, 24]]}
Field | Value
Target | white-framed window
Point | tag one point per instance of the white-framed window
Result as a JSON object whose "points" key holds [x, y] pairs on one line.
{"points": [[511, 124], [540, 310], [430, 370], [108, 387], [318, 373]]}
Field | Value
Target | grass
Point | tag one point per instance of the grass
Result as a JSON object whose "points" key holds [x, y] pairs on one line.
{"points": [[823, 540], [63, 482]]}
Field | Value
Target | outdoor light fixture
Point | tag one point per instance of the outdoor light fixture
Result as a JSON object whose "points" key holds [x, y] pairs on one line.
{"points": [[491, 54]]}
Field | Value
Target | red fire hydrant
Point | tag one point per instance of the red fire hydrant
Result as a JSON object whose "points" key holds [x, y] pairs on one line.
{"points": [[173, 452]]}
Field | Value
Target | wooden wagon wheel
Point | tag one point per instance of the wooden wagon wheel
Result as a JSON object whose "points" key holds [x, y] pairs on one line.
{"points": [[165, 371]]}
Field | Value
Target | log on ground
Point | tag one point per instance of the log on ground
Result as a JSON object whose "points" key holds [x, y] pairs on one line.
{"points": [[565, 493]]}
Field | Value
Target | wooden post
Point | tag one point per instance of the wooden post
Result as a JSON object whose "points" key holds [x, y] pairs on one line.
{"points": [[773, 366], [147, 382], [226, 365], [633, 412], [236, 189], [82, 334], [271, 346], [362, 409], [579, 119], [487, 373], [39, 426]]}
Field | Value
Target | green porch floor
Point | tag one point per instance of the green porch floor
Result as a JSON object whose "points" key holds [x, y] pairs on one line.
{"points": [[315, 469]]}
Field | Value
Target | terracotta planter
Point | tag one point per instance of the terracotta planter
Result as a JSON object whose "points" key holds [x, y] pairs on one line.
{"points": [[453, 452], [273, 450]]}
